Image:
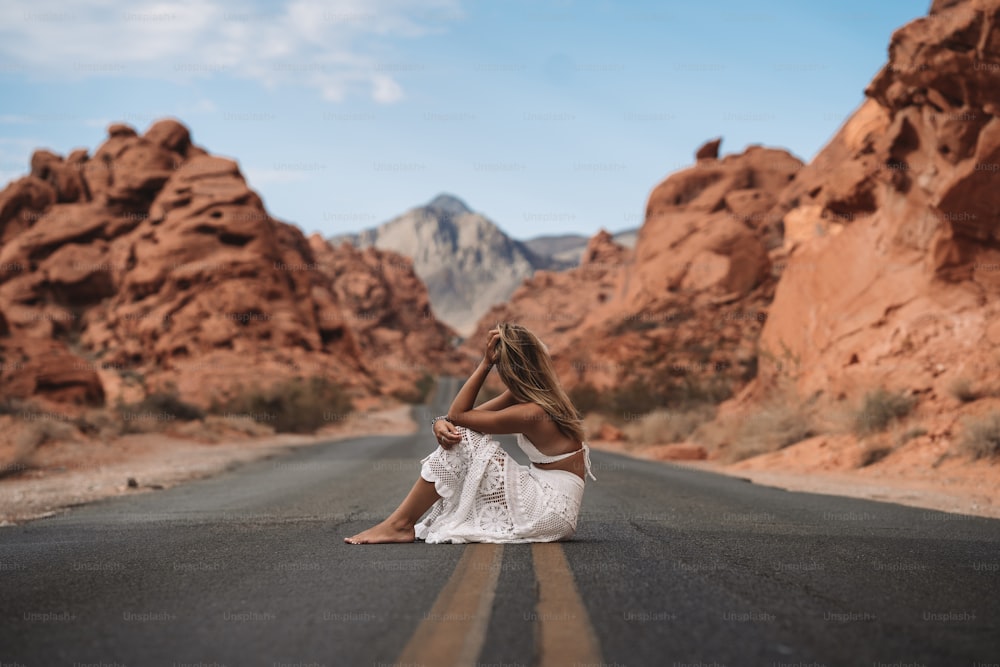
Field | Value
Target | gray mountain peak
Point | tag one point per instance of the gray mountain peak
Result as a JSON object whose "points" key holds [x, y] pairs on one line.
{"points": [[449, 205], [467, 262]]}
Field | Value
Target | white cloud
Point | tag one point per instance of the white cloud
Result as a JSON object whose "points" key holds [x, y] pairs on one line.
{"points": [[385, 90], [332, 46]]}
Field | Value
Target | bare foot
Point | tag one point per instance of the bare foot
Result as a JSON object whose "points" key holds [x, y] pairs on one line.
{"points": [[384, 532]]}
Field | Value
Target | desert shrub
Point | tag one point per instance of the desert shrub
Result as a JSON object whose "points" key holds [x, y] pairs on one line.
{"points": [[33, 435], [873, 455], [156, 411], [692, 392], [13, 406], [776, 424], [679, 394], [634, 397], [981, 436], [100, 422], [586, 398], [879, 409], [666, 426], [171, 404], [296, 406], [638, 396], [910, 434], [961, 389]]}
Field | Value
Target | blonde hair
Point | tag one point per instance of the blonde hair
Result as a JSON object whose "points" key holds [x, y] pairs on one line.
{"points": [[524, 365]]}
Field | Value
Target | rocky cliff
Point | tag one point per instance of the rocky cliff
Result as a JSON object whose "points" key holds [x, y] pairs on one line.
{"points": [[153, 264], [893, 231]]}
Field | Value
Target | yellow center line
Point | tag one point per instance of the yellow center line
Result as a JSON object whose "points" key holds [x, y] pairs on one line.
{"points": [[564, 633], [453, 631]]}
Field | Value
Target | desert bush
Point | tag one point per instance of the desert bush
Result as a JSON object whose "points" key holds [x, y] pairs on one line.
{"points": [[156, 411], [776, 424], [910, 434], [171, 404], [693, 392], [879, 409], [981, 436], [32, 436], [961, 389], [586, 398], [13, 406], [215, 428], [666, 426], [296, 406], [638, 396], [874, 454], [102, 423], [634, 397]]}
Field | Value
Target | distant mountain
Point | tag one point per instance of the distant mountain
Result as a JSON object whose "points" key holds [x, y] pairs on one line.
{"points": [[468, 263], [570, 247]]}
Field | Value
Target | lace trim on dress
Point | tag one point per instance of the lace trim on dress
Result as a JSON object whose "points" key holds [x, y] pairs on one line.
{"points": [[488, 497]]}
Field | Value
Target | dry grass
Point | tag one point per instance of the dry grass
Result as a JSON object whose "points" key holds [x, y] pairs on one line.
{"points": [[30, 437], [641, 396], [910, 434], [778, 423], [297, 406], [586, 398], [219, 428], [961, 389], [879, 410], [873, 454], [981, 436], [666, 426]]}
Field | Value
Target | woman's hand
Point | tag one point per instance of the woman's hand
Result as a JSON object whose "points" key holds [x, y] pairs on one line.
{"points": [[491, 346], [446, 433]]}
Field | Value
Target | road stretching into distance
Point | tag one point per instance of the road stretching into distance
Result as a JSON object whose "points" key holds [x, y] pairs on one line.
{"points": [[670, 566]]}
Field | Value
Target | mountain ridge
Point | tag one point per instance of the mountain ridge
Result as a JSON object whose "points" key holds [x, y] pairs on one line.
{"points": [[466, 260]]}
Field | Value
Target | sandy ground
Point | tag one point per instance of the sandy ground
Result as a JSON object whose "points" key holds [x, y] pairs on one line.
{"points": [[63, 474], [956, 486]]}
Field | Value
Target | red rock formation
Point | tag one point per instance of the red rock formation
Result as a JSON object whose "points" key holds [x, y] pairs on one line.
{"points": [[159, 266], [683, 314], [387, 309], [565, 307], [894, 229], [709, 150]]}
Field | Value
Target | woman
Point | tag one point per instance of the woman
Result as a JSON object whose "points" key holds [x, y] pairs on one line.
{"points": [[475, 491]]}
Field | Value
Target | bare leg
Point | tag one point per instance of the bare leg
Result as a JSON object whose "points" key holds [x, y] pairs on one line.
{"points": [[398, 526]]}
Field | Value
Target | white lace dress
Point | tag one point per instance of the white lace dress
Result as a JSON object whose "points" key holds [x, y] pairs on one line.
{"points": [[487, 496]]}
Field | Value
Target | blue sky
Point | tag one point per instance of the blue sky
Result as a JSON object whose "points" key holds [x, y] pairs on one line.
{"points": [[547, 116]]}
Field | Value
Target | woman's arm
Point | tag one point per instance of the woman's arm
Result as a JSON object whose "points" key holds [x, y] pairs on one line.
{"points": [[518, 418], [466, 397], [503, 414], [504, 400]]}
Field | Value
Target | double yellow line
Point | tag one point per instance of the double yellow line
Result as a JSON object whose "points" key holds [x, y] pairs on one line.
{"points": [[453, 632]]}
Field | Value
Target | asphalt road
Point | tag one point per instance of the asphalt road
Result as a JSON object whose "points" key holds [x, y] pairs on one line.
{"points": [[671, 567]]}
